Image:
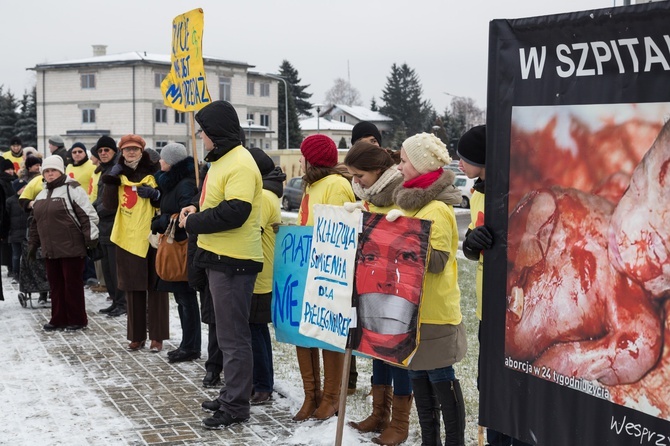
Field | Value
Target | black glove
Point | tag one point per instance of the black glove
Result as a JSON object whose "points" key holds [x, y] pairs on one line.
{"points": [[91, 244], [148, 192], [32, 253], [477, 240]]}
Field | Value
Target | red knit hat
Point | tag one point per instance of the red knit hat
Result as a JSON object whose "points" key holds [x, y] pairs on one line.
{"points": [[319, 151]]}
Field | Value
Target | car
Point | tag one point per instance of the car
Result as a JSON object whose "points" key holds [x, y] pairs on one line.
{"points": [[465, 184], [454, 168], [292, 194]]}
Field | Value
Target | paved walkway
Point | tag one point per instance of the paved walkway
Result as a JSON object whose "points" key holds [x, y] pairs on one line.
{"points": [[159, 401]]}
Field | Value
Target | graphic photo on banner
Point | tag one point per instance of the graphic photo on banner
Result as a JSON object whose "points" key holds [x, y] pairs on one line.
{"points": [[593, 179], [575, 327], [185, 86], [293, 245], [390, 268], [327, 311]]}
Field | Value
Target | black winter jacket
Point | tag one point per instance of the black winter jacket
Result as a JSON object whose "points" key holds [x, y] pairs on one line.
{"points": [[106, 215], [18, 220]]}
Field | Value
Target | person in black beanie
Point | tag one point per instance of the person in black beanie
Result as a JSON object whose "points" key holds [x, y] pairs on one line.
{"points": [[478, 238], [106, 152], [366, 131]]}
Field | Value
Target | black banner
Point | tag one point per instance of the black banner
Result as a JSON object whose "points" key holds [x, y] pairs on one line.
{"points": [[575, 343]]}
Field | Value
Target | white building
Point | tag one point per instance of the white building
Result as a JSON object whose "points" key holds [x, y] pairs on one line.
{"points": [[353, 114], [335, 130], [118, 94]]}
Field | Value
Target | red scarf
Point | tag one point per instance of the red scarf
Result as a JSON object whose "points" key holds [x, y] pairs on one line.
{"points": [[423, 181]]}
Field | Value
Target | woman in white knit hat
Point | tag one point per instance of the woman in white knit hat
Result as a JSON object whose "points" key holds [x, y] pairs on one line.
{"points": [[428, 193], [64, 225]]}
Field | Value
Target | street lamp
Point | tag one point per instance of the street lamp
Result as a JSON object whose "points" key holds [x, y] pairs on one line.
{"points": [[249, 122], [285, 102], [318, 115]]}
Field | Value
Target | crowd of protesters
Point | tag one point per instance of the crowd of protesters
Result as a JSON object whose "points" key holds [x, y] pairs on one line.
{"points": [[110, 198]]}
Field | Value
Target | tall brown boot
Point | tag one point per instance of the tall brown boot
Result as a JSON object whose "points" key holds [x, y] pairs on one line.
{"points": [[308, 360], [382, 397], [332, 378], [398, 430]]}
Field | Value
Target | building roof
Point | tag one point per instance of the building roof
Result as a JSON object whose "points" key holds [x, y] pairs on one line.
{"points": [[359, 112], [324, 124], [129, 59]]}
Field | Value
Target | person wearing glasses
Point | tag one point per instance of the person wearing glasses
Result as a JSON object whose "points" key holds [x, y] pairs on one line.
{"points": [[106, 151], [131, 191], [81, 168]]}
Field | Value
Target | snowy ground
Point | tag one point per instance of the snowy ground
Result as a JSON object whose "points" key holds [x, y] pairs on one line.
{"points": [[47, 399]]}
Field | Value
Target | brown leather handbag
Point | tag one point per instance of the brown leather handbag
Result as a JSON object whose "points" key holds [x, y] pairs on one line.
{"points": [[171, 257]]}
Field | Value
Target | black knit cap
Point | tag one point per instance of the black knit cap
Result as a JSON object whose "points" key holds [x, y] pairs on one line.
{"points": [[363, 129], [14, 141], [263, 160], [472, 146], [32, 160], [6, 164], [79, 145], [106, 141]]}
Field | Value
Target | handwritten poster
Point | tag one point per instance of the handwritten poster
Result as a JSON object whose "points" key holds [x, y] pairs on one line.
{"points": [[185, 86], [292, 250], [326, 309]]}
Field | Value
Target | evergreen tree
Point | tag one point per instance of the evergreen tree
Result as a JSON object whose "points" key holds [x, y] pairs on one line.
{"points": [[403, 103], [300, 96], [8, 117], [373, 105], [294, 133], [342, 144], [26, 125]]}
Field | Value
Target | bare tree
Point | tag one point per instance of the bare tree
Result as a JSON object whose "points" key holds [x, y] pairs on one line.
{"points": [[468, 111], [342, 92]]}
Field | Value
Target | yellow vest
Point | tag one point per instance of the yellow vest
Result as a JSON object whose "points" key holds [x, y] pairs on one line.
{"points": [[333, 189], [33, 188], [441, 298], [16, 160], [477, 219], [132, 223], [234, 176], [82, 174], [270, 213], [93, 186]]}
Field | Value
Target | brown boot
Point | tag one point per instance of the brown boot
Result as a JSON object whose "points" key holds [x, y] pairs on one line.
{"points": [[382, 397], [308, 360], [332, 378], [398, 429]]}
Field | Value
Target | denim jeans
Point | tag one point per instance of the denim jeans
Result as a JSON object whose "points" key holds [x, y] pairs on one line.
{"points": [[386, 374], [189, 317], [16, 258], [434, 376], [262, 350]]}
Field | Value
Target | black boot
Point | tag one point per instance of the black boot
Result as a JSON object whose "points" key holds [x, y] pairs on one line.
{"points": [[428, 410], [450, 396], [108, 309]]}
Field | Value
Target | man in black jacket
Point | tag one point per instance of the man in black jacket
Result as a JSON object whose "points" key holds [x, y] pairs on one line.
{"points": [[229, 248], [106, 151]]}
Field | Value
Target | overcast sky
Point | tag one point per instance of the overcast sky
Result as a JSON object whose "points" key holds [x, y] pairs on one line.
{"points": [[444, 41]]}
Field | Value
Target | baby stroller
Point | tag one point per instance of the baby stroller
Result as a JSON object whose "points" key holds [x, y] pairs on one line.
{"points": [[32, 277]]}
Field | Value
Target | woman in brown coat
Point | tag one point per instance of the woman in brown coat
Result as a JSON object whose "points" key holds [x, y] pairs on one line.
{"points": [[131, 190]]}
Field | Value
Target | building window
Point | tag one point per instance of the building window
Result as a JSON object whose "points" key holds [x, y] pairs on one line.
{"points": [[265, 120], [343, 118], [160, 115], [250, 117], [224, 88], [88, 80], [159, 144], [179, 117], [158, 79], [88, 115], [265, 89], [250, 88]]}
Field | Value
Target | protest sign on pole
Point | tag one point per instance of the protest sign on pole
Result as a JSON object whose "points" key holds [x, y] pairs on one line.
{"points": [[576, 326], [185, 86]]}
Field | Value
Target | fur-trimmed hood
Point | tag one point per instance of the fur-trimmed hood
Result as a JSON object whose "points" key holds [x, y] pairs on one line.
{"points": [[183, 169], [442, 189]]}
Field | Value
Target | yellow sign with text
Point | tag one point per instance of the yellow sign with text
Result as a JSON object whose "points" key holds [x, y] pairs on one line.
{"points": [[185, 87]]}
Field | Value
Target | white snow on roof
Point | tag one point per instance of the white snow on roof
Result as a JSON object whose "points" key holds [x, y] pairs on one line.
{"points": [[361, 113], [128, 57], [324, 124]]}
